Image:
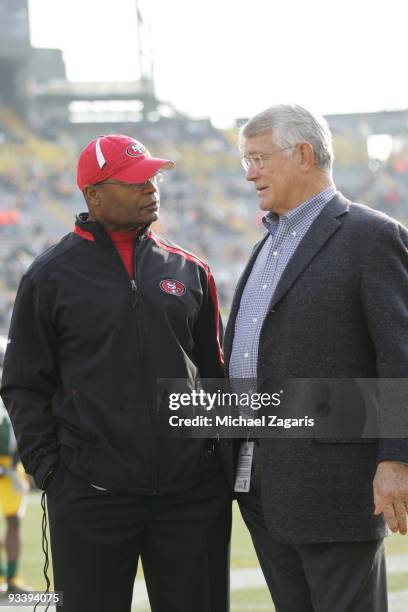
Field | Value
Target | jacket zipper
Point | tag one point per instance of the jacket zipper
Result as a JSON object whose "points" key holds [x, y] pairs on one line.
{"points": [[133, 284], [133, 287], [137, 303]]}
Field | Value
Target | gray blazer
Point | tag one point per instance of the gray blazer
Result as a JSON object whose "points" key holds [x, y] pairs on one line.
{"points": [[340, 311]]}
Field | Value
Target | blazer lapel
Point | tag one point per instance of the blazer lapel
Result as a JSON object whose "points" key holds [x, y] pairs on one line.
{"points": [[319, 233], [229, 330]]}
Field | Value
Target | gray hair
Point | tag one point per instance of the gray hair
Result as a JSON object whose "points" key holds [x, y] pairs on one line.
{"points": [[291, 124]]}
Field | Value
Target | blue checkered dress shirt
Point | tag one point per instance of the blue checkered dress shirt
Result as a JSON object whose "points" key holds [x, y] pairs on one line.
{"points": [[286, 232]]}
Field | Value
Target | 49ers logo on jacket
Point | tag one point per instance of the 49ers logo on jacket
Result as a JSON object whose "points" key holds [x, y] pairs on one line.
{"points": [[174, 287]]}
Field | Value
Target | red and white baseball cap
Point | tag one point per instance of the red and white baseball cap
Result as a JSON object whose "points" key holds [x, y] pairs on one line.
{"points": [[119, 157]]}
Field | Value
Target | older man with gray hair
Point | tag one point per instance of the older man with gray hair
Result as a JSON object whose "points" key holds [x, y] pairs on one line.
{"points": [[324, 295]]}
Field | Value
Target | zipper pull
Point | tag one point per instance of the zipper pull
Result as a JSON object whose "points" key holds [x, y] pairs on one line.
{"points": [[133, 286]]}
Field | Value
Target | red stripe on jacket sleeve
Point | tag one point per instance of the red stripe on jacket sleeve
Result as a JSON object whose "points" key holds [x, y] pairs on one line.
{"points": [[84, 234], [214, 297], [178, 251]]}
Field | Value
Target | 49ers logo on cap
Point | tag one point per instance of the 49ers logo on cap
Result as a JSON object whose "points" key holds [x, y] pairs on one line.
{"points": [[135, 149], [174, 287]]}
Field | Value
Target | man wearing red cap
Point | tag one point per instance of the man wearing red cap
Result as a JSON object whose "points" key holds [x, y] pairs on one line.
{"points": [[98, 319]]}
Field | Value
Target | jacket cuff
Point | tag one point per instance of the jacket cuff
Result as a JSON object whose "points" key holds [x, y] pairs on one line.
{"points": [[395, 449]]}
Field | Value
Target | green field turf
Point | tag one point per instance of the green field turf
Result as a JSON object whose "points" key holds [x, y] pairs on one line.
{"points": [[242, 555]]}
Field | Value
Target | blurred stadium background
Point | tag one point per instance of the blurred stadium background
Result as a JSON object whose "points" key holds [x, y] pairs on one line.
{"points": [[206, 204]]}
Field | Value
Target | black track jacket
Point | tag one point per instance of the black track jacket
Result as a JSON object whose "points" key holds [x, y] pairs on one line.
{"points": [[87, 346]]}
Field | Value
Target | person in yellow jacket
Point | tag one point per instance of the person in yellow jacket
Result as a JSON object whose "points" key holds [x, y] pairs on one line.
{"points": [[13, 487]]}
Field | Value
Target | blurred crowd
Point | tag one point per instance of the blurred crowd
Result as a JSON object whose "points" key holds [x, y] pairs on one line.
{"points": [[207, 206]]}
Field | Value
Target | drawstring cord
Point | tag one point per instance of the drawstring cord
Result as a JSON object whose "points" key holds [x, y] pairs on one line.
{"points": [[44, 544]]}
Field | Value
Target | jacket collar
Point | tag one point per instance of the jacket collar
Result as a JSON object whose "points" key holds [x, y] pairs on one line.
{"points": [[321, 230], [98, 230], [326, 224]]}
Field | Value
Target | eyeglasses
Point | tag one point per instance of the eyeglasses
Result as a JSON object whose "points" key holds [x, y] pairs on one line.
{"points": [[257, 159], [155, 179]]}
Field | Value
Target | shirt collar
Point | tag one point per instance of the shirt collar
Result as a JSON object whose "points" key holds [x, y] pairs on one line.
{"points": [[313, 205]]}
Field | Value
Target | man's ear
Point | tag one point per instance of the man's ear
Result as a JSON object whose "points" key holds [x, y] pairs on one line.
{"points": [[306, 156], [92, 196]]}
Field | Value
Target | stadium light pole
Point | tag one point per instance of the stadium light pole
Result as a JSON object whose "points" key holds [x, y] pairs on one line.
{"points": [[144, 34]]}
